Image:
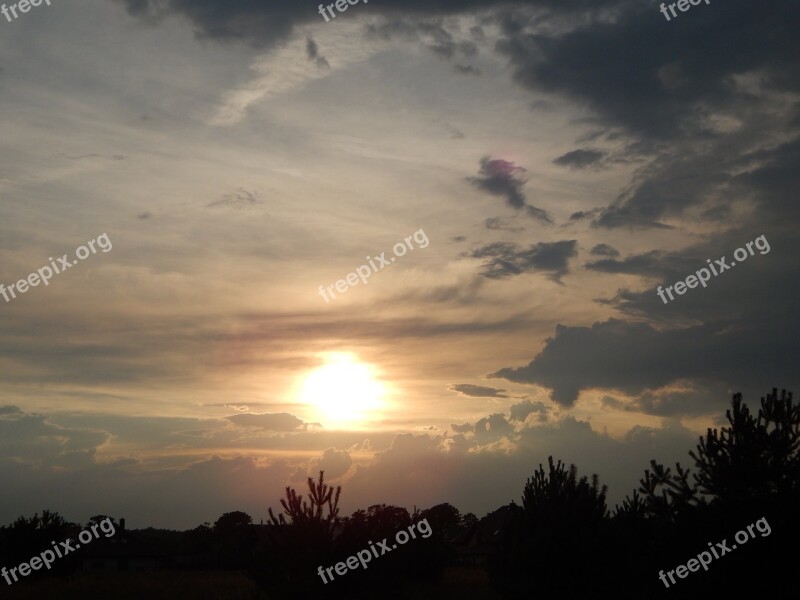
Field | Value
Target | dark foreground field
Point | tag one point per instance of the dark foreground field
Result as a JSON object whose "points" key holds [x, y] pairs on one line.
{"points": [[458, 582]]}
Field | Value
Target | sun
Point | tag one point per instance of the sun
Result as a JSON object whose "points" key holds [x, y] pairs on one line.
{"points": [[343, 390]]}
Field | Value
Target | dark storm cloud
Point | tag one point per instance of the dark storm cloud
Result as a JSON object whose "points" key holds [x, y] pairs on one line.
{"points": [[477, 391], [664, 85], [506, 259], [636, 357], [267, 22], [774, 180], [713, 399], [502, 178], [604, 250], [649, 264], [580, 159], [652, 73]]}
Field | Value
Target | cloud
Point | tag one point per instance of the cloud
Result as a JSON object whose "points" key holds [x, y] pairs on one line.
{"points": [[584, 214], [487, 469], [268, 421], [32, 439], [107, 156], [467, 70], [266, 23], [286, 68], [313, 54], [520, 411], [463, 428], [580, 159], [604, 250], [649, 264], [334, 462], [620, 355], [498, 224], [492, 428], [564, 60], [506, 259], [239, 199], [500, 177], [477, 391]]}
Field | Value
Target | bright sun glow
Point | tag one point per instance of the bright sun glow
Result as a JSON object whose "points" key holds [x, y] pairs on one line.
{"points": [[343, 390]]}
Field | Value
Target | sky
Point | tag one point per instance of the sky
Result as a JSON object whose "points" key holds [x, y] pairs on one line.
{"points": [[550, 163]]}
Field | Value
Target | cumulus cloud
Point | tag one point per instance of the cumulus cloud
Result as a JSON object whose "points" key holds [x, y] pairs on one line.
{"points": [[463, 428], [30, 438], [489, 468], [334, 462], [492, 427], [520, 411]]}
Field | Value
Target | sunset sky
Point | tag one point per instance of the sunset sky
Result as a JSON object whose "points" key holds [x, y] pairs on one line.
{"points": [[563, 158]]}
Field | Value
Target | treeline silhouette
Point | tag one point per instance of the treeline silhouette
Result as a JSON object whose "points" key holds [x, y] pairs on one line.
{"points": [[561, 542]]}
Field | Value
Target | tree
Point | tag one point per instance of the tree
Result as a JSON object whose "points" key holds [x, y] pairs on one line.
{"points": [[561, 525], [754, 458], [297, 546], [445, 519], [309, 516], [233, 520]]}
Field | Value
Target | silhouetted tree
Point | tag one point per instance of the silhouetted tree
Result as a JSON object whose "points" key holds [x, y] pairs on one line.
{"points": [[232, 520], [468, 520], [559, 526], [445, 519], [294, 548], [754, 458], [28, 536], [744, 471]]}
